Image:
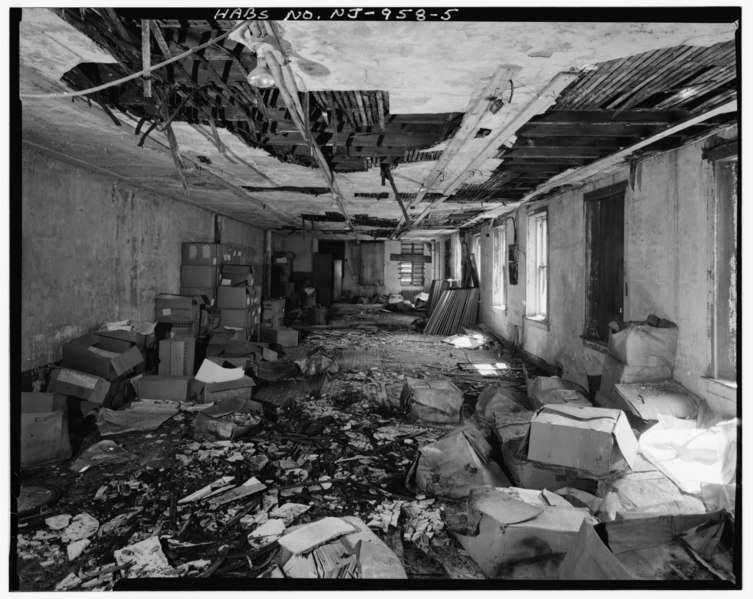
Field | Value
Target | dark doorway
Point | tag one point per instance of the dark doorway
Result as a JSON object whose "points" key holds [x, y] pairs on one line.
{"points": [[605, 253], [335, 249]]}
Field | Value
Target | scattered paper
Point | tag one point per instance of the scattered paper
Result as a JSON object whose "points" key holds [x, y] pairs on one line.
{"points": [[312, 535]]}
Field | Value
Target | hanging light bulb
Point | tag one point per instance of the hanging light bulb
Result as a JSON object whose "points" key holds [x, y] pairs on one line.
{"points": [[260, 76]]}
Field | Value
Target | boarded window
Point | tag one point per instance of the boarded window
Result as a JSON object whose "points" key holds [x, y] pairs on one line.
{"points": [[448, 258], [499, 263], [411, 272], [605, 251], [538, 261], [372, 263], [726, 268]]}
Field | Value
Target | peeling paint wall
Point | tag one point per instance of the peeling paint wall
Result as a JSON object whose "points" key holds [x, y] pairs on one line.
{"points": [[95, 249], [666, 268]]}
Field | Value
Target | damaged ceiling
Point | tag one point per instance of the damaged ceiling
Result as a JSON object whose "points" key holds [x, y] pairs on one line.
{"points": [[374, 129]]}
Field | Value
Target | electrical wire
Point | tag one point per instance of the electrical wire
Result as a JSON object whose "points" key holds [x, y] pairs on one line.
{"points": [[141, 73]]}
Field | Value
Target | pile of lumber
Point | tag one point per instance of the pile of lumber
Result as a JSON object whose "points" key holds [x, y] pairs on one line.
{"points": [[439, 286], [455, 309]]}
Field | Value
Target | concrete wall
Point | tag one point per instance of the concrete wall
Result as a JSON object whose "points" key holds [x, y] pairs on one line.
{"points": [[666, 268], [96, 249]]}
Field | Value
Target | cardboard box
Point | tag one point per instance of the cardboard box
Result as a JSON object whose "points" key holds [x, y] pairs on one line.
{"points": [[273, 322], [202, 254], [44, 429], [432, 400], [222, 419], [237, 274], [567, 397], [244, 363], [238, 319], [531, 475], [103, 356], [280, 336], [595, 442], [613, 372], [177, 308], [210, 293], [192, 275], [141, 340], [185, 329], [274, 306], [79, 384], [174, 388], [235, 298], [177, 356], [515, 524]]}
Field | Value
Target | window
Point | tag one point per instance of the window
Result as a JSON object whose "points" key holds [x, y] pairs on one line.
{"points": [[499, 266], [605, 251], [724, 351], [411, 272], [536, 293], [476, 249]]}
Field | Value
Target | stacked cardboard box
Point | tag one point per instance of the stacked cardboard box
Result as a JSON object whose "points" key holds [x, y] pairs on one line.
{"points": [[239, 300], [273, 313], [199, 270], [94, 368]]}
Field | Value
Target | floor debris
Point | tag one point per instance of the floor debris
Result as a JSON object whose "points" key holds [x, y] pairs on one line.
{"points": [[309, 477]]}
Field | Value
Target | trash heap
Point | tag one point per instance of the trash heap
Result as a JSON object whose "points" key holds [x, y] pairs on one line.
{"points": [[333, 469]]}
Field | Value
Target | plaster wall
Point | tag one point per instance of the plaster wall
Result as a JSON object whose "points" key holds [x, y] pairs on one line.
{"points": [[666, 268], [95, 249]]}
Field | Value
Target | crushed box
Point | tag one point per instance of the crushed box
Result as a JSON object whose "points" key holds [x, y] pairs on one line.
{"points": [[79, 384], [103, 356], [595, 442], [509, 525], [432, 400], [44, 429], [174, 388], [280, 336]]}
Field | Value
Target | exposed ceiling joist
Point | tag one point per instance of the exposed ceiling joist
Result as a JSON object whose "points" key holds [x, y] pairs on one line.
{"points": [[578, 175], [541, 102]]}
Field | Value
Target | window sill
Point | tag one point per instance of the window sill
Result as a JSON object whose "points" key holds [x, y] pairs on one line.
{"points": [[538, 322], [500, 308], [595, 344]]}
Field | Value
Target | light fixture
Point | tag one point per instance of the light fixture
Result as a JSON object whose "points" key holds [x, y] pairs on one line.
{"points": [[260, 76]]}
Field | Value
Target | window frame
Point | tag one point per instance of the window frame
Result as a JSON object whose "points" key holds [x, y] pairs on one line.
{"points": [[537, 247], [476, 251], [421, 251], [728, 372], [499, 267]]}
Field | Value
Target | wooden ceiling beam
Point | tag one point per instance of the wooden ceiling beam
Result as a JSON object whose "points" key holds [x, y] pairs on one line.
{"points": [[578, 175], [611, 117], [587, 130]]}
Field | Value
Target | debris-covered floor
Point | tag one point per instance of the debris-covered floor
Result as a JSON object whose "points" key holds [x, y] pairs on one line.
{"points": [[327, 445]]}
